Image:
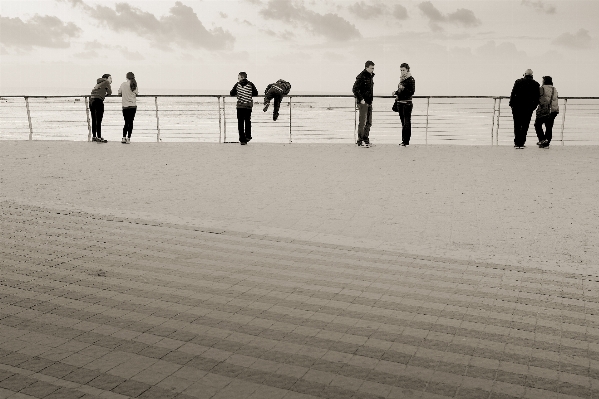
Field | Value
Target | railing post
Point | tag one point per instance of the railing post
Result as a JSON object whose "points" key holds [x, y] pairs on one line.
{"points": [[157, 120], [428, 102], [289, 119], [224, 120], [89, 125], [498, 119], [29, 119], [220, 122], [493, 125], [355, 120], [564, 118]]}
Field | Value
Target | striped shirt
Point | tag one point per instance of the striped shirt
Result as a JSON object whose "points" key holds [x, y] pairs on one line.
{"points": [[244, 93]]}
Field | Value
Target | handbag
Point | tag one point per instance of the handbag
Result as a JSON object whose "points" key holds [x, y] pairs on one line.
{"points": [[395, 107]]}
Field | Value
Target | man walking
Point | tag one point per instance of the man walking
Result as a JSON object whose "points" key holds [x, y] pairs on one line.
{"points": [[523, 101], [363, 89], [244, 90]]}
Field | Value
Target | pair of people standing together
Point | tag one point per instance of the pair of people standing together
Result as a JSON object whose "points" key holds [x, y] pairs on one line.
{"points": [[128, 91], [527, 95], [363, 91]]}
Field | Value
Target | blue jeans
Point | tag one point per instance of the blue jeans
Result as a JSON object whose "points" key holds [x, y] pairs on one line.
{"points": [[364, 122]]}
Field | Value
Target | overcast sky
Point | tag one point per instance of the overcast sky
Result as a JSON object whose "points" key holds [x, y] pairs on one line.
{"points": [[199, 46]]}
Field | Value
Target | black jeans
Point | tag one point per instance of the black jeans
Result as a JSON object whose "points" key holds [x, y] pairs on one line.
{"points": [[548, 120], [96, 107], [273, 93], [129, 116], [244, 119], [405, 115], [521, 123]]}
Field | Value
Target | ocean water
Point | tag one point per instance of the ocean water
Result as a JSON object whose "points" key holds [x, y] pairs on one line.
{"points": [[466, 121]]}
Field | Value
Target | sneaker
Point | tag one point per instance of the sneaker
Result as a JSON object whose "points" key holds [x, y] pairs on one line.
{"points": [[248, 139], [243, 143], [404, 144], [544, 144], [265, 107], [540, 142], [124, 140], [275, 116], [518, 147], [128, 140], [102, 140], [359, 143], [94, 139]]}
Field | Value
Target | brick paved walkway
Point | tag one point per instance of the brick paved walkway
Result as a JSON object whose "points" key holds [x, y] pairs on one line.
{"points": [[95, 306]]}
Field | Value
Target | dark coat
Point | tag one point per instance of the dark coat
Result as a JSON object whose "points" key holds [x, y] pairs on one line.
{"points": [[409, 88], [364, 86], [102, 89], [525, 94]]}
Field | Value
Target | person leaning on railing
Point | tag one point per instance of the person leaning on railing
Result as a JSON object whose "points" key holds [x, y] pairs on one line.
{"points": [[96, 105], [403, 97], [128, 91], [546, 112], [523, 101]]}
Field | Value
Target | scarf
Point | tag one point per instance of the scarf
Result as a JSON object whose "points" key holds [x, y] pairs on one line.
{"points": [[401, 80]]}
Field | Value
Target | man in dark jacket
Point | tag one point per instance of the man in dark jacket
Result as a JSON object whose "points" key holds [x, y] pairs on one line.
{"points": [[276, 91], [244, 90], [403, 96], [363, 91], [523, 101]]}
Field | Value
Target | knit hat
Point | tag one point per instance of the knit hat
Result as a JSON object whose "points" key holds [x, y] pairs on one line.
{"points": [[528, 72]]}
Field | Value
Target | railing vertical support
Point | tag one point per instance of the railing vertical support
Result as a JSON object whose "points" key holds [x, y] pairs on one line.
{"points": [[224, 120], [290, 120], [220, 122], [355, 120], [428, 103], [157, 121], [564, 118], [498, 119], [493, 125], [89, 125], [29, 119]]}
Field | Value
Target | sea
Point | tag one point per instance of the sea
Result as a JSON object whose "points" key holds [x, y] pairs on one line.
{"points": [[303, 119]]}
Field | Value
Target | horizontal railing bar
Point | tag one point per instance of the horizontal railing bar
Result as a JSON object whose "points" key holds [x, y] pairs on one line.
{"points": [[294, 96]]}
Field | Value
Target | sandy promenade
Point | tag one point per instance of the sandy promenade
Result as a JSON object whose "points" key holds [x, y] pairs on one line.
{"points": [[497, 204], [198, 271]]}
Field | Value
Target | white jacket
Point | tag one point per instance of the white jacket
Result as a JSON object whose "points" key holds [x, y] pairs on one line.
{"points": [[129, 96]]}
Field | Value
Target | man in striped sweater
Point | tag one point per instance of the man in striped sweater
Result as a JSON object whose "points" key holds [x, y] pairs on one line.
{"points": [[244, 90]]}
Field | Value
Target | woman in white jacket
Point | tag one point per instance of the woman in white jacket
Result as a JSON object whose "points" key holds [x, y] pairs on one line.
{"points": [[128, 91], [546, 112]]}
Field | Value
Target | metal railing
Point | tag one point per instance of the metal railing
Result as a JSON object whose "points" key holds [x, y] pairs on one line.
{"points": [[306, 118]]}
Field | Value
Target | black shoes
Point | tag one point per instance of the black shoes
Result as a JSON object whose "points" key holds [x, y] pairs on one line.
{"points": [[99, 140], [275, 116], [265, 107], [404, 144], [544, 144]]}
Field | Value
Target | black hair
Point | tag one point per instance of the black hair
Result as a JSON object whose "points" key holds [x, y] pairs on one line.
{"points": [[405, 65], [243, 75], [548, 80], [133, 82], [106, 76], [368, 63]]}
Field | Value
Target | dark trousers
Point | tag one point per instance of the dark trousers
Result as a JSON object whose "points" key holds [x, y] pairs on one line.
{"points": [[364, 122], [129, 116], [548, 120], [521, 123], [273, 93], [244, 124], [405, 115], [96, 108]]}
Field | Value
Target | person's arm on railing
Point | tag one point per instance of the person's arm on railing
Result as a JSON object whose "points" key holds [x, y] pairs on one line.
{"points": [[234, 90]]}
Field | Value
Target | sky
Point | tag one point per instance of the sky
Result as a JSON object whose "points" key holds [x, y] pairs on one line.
{"points": [[462, 48]]}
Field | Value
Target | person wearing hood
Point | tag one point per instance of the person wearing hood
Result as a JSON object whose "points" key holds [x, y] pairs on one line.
{"points": [[244, 90], [96, 105], [403, 97], [363, 92], [128, 91], [546, 112], [523, 101], [276, 91]]}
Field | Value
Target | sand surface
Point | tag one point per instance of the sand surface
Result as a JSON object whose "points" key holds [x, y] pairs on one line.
{"points": [[530, 208]]}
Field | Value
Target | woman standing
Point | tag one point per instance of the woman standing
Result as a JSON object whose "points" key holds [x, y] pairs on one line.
{"points": [[546, 112], [128, 91], [403, 97], [96, 105]]}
